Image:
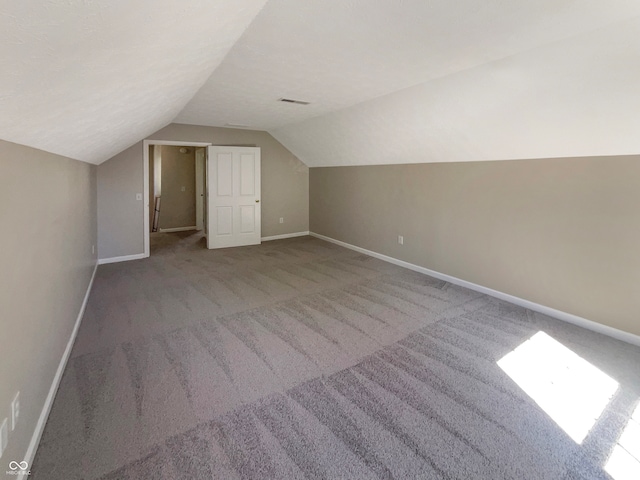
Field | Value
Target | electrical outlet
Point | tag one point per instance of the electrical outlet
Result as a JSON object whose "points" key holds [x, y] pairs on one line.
{"points": [[15, 411], [281, 219], [4, 436], [400, 239]]}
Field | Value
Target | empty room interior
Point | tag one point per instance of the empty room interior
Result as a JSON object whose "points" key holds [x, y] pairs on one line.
{"points": [[305, 239]]}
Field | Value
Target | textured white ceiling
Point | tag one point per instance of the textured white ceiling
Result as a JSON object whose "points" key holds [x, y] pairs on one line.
{"points": [[577, 97], [338, 53], [389, 81], [88, 78]]}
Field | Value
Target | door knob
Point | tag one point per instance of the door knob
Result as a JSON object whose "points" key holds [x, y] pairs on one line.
{"points": [[257, 201]]}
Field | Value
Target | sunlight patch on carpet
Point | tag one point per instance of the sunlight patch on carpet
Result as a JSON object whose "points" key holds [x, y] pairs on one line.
{"points": [[624, 462], [572, 391]]}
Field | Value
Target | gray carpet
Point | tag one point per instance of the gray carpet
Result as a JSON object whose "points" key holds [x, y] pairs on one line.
{"points": [[301, 359]]}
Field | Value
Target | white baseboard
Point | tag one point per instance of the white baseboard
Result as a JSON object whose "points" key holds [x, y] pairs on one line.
{"points": [[178, 229], [44, 414], [125, 258], [536, 307], [285, 235]]}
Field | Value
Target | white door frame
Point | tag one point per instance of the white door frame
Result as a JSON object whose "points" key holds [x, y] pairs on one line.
{"points": [[145, 176], [201, 167]]}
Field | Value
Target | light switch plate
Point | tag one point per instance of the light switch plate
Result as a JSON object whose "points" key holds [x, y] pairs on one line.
{"points": [[138, 196]]}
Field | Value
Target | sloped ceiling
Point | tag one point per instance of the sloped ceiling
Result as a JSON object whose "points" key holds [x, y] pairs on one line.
{"points": [[579, 97], [87, 79], [388, 81], [337, 53]]}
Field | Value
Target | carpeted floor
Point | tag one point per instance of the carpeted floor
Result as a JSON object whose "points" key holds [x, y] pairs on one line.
{"points": [[300, 359]]}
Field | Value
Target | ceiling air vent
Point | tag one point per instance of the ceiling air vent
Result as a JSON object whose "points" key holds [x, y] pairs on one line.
{"points": [[289, 100]]}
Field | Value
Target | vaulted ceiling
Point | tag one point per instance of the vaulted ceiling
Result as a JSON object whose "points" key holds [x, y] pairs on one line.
{"points": [[388, 81], [88, 78]]}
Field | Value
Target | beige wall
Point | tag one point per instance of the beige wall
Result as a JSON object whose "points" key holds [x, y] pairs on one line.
{"points": [[48, 218], [178, 208], [563, 233], [285, 187], [120, 215]]}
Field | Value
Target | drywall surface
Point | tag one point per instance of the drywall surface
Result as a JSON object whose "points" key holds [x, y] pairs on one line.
{"points": [[48, 218], [563, 233], [120, 214], [336, 54], [178, 207], [574, 98], [89, 78], [285, 187]]}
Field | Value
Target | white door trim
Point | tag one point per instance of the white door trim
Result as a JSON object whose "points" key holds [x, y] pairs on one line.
{"points": [[201, 166], [145, 181]]}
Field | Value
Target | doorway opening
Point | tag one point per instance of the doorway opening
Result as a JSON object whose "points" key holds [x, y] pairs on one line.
{"points": [[175, 193]]}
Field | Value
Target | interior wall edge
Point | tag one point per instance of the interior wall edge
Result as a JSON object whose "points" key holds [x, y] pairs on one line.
{"points": [[558, 232], [536, 307], [46, 408], [285, 235]]}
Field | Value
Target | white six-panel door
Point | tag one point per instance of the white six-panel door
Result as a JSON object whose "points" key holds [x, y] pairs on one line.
{"points": [[233, 180]]}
